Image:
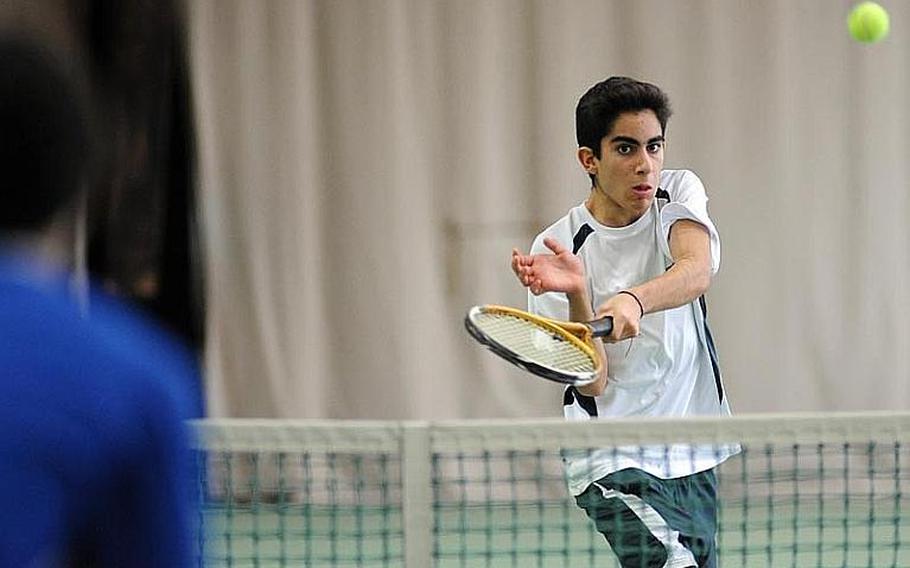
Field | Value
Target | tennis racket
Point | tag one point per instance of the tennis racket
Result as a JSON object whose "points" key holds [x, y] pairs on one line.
{"points": [[560, 351]]}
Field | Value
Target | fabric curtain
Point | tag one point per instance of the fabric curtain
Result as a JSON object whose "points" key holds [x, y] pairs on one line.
{"points": [[367, 166]]}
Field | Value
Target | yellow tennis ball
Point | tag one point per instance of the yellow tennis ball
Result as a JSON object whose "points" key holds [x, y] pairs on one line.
{"points": [[868, 22]]}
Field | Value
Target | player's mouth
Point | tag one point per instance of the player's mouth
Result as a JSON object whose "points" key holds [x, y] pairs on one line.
{"points": [[642, 190]]}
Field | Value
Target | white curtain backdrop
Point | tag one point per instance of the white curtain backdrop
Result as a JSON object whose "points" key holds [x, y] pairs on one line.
{"points": [[367, 166]]}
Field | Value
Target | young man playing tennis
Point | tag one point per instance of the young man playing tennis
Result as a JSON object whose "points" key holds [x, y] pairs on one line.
{"points": [[641, 249]]}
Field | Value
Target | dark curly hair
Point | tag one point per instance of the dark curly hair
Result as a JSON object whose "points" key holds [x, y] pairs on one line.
{"points": [[602, 104]]}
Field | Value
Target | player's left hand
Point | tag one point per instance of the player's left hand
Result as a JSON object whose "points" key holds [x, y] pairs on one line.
{"points": [[561, 271], [626, 316]]}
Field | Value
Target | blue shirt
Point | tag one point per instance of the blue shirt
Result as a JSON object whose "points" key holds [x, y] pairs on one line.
{"points": [[94, 460]]}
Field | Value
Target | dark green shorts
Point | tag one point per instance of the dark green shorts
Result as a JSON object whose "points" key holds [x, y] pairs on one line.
{"points": [[652, 522]]}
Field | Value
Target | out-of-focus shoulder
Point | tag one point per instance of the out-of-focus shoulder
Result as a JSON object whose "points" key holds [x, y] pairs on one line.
{"points": [[162, 362]]}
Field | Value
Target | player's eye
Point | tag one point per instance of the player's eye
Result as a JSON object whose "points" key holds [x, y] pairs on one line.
{"points": [[624, 149], [655, 147]]}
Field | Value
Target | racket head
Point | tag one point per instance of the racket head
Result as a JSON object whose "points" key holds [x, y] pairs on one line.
{"points": [[538, 345]]}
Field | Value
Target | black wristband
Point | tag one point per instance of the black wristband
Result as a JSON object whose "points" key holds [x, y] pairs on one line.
{"points": [[640, 306]]}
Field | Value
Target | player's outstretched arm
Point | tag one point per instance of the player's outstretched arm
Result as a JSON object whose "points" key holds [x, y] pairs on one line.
{"points": [[686, 280]]}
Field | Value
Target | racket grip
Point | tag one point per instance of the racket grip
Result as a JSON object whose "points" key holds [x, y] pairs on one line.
{"points": [[601, 327]]}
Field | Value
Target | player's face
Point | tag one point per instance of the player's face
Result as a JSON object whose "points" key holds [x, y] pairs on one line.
{"points": [[628, 170]]}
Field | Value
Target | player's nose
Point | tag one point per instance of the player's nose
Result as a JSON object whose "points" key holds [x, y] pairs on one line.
{"points": [[644, 163]]}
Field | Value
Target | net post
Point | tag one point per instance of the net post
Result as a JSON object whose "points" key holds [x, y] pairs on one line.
{"points": [[417, 498]]}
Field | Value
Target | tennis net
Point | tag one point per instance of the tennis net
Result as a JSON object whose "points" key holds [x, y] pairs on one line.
{"points": [[804, 490]]}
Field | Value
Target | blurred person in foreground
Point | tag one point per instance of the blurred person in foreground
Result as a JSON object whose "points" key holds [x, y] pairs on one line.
{"points": [[94, 464]]}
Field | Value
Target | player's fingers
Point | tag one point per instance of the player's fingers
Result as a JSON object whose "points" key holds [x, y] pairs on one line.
{"points": [[554, 245], [615, 336], [516, 262], [605, 311], [626, 330], [622, 328], [521, 272], [524, 259]]}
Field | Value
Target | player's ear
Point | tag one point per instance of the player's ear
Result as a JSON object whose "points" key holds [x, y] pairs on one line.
{"points": [[587, 159]]}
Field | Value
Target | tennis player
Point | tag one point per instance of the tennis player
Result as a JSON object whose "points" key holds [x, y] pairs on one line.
{"points": [[94, 466], [642, 249]]}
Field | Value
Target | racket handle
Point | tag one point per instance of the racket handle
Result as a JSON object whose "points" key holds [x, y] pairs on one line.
{"points": [[601, 327]]}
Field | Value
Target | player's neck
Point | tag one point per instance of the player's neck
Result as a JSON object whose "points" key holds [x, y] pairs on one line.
{"points": [[50, 249], [608, 212]]}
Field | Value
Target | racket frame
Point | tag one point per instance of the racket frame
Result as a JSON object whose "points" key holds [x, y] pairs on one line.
{"points": [[578, 334]]}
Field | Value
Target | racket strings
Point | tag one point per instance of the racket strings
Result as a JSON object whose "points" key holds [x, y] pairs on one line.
{"points": [[535, 342]]}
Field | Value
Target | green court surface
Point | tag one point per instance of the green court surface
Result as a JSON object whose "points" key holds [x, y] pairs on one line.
{"points": [[816, 533]]}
